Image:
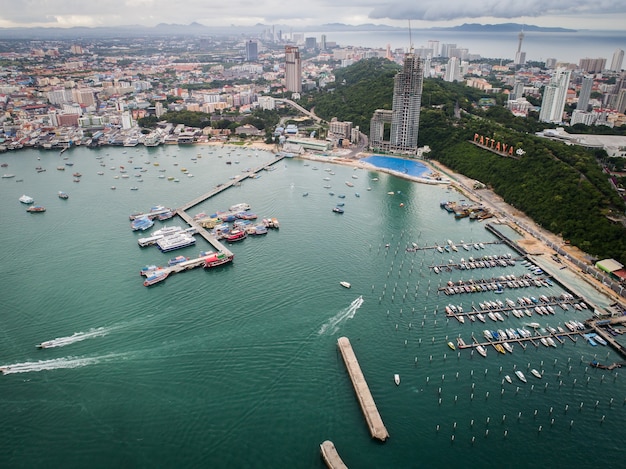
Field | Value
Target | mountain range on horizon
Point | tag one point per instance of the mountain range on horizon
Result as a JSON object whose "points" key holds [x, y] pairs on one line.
{"points": [[200, 29]]}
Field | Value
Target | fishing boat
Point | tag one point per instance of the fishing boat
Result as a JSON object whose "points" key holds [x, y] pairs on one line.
{"points": [[338, 210], [396, 379], [451, 345], [236, 235], [25, 199], [520, 376], [345, 284], [535, 373], [36, 209], [63, 195]]}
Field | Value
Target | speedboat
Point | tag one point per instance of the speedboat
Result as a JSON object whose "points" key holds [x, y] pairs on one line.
{"points": [[25, 199], [396, 379], [521, 376], [535, 373], [345, 284], [508, 347], [337, 210], [46, 344], [508, 379], [481, 350], [451, 345]]}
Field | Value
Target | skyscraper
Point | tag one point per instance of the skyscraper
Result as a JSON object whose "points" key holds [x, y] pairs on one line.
{"points": [[585, 93], [618, 59], [554, 94], [520, 57], [293, 69], [251, 51], [407, 101]]}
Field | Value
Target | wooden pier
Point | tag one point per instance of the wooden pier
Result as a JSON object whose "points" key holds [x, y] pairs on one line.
{"points": [[331, 456], [368, 406]]}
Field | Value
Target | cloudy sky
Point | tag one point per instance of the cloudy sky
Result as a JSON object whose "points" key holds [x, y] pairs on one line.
{"points": [[576, 14]]}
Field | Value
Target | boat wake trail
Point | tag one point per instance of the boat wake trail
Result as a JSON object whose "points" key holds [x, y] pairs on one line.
{"points": [[76, 337], [332, 325], [55, 364]]}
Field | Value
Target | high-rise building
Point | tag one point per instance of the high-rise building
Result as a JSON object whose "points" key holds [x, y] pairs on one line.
{"points": [[310, 43], [453, 70], [520, 57], [252, 54], [550, 63], [618, 59], [445, 50], [293, 69], [554, 95], [323, 42], [434, 46], [592, 65], [585, 93], [406, 106]]}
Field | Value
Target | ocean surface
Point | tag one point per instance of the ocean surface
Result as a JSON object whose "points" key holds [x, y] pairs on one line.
{"points": [[565, 46], [238, 366]]}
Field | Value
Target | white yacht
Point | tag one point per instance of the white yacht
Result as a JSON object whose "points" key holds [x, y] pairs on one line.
{"points": [[25, 199]]}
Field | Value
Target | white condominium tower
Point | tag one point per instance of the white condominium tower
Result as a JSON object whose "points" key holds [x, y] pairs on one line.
{"points": [[554, 95]]}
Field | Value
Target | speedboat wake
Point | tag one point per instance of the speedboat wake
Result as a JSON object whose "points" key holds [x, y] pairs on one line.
{"points": [[55, 364], [332, 325], [76, 337]]}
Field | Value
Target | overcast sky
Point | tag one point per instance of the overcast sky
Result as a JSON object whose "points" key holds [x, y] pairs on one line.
{"points": [[576, 14]]}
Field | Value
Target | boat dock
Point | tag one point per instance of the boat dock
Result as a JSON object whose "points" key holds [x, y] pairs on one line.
{"points": [[330, 456], [535, 339], [150, 215], [364, 396], [212, 240], [595, 325]]}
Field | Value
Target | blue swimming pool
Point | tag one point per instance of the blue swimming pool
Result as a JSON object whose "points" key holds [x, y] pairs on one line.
{"points": [[401, 165]]}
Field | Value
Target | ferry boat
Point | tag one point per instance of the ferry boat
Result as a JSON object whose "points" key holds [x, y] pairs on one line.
{"points": [[155, 277], [239, 207], [218, 259], [177, 260], [63, 195], [36, 209], [25, 199], [177, 241], [520, 376], [141, 224]]}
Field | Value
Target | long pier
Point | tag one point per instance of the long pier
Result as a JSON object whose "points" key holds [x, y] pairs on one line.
{"points": [[223, 187], [368, 406], [521, 340], [595, 325], [331, 456]]}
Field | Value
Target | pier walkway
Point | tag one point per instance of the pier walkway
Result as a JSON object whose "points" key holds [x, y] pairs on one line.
{"points": [[330, 456], [223, 187], [212, 240], [534, 340], [595, 325], [368, 406]]}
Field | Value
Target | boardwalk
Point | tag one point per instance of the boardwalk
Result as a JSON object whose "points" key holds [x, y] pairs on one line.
{"points": [[368, 406], [331, 456]]}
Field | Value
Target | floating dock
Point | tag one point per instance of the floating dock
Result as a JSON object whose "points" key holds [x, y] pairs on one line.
{"points": [[368, 406], [330, 456]]}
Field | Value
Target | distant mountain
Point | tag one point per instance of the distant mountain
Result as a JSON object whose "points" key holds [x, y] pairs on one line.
{"points": [[503, 27], [195, 29]]}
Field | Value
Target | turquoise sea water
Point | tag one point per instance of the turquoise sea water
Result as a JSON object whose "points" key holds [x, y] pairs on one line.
{"points": [[401, 165], [238, 366]]}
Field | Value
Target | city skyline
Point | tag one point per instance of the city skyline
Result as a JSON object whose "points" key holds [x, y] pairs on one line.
{"points": [[576, 14]]}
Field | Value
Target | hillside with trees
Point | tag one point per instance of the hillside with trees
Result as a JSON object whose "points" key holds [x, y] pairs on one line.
{"points": [[561, 187]]}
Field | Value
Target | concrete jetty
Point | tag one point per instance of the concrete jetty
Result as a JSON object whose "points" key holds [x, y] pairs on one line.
{"points": [[212, 240], [330, 456], [368, 406]]}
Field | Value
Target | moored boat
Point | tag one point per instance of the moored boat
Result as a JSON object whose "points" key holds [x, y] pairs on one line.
{"points": [[481, 350], [155, 276], [345, 284], [508, 379], [217, 259], [36, 209], [520, 376], [177, 260], [26, 199], [535, 373], [451, 345]]}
